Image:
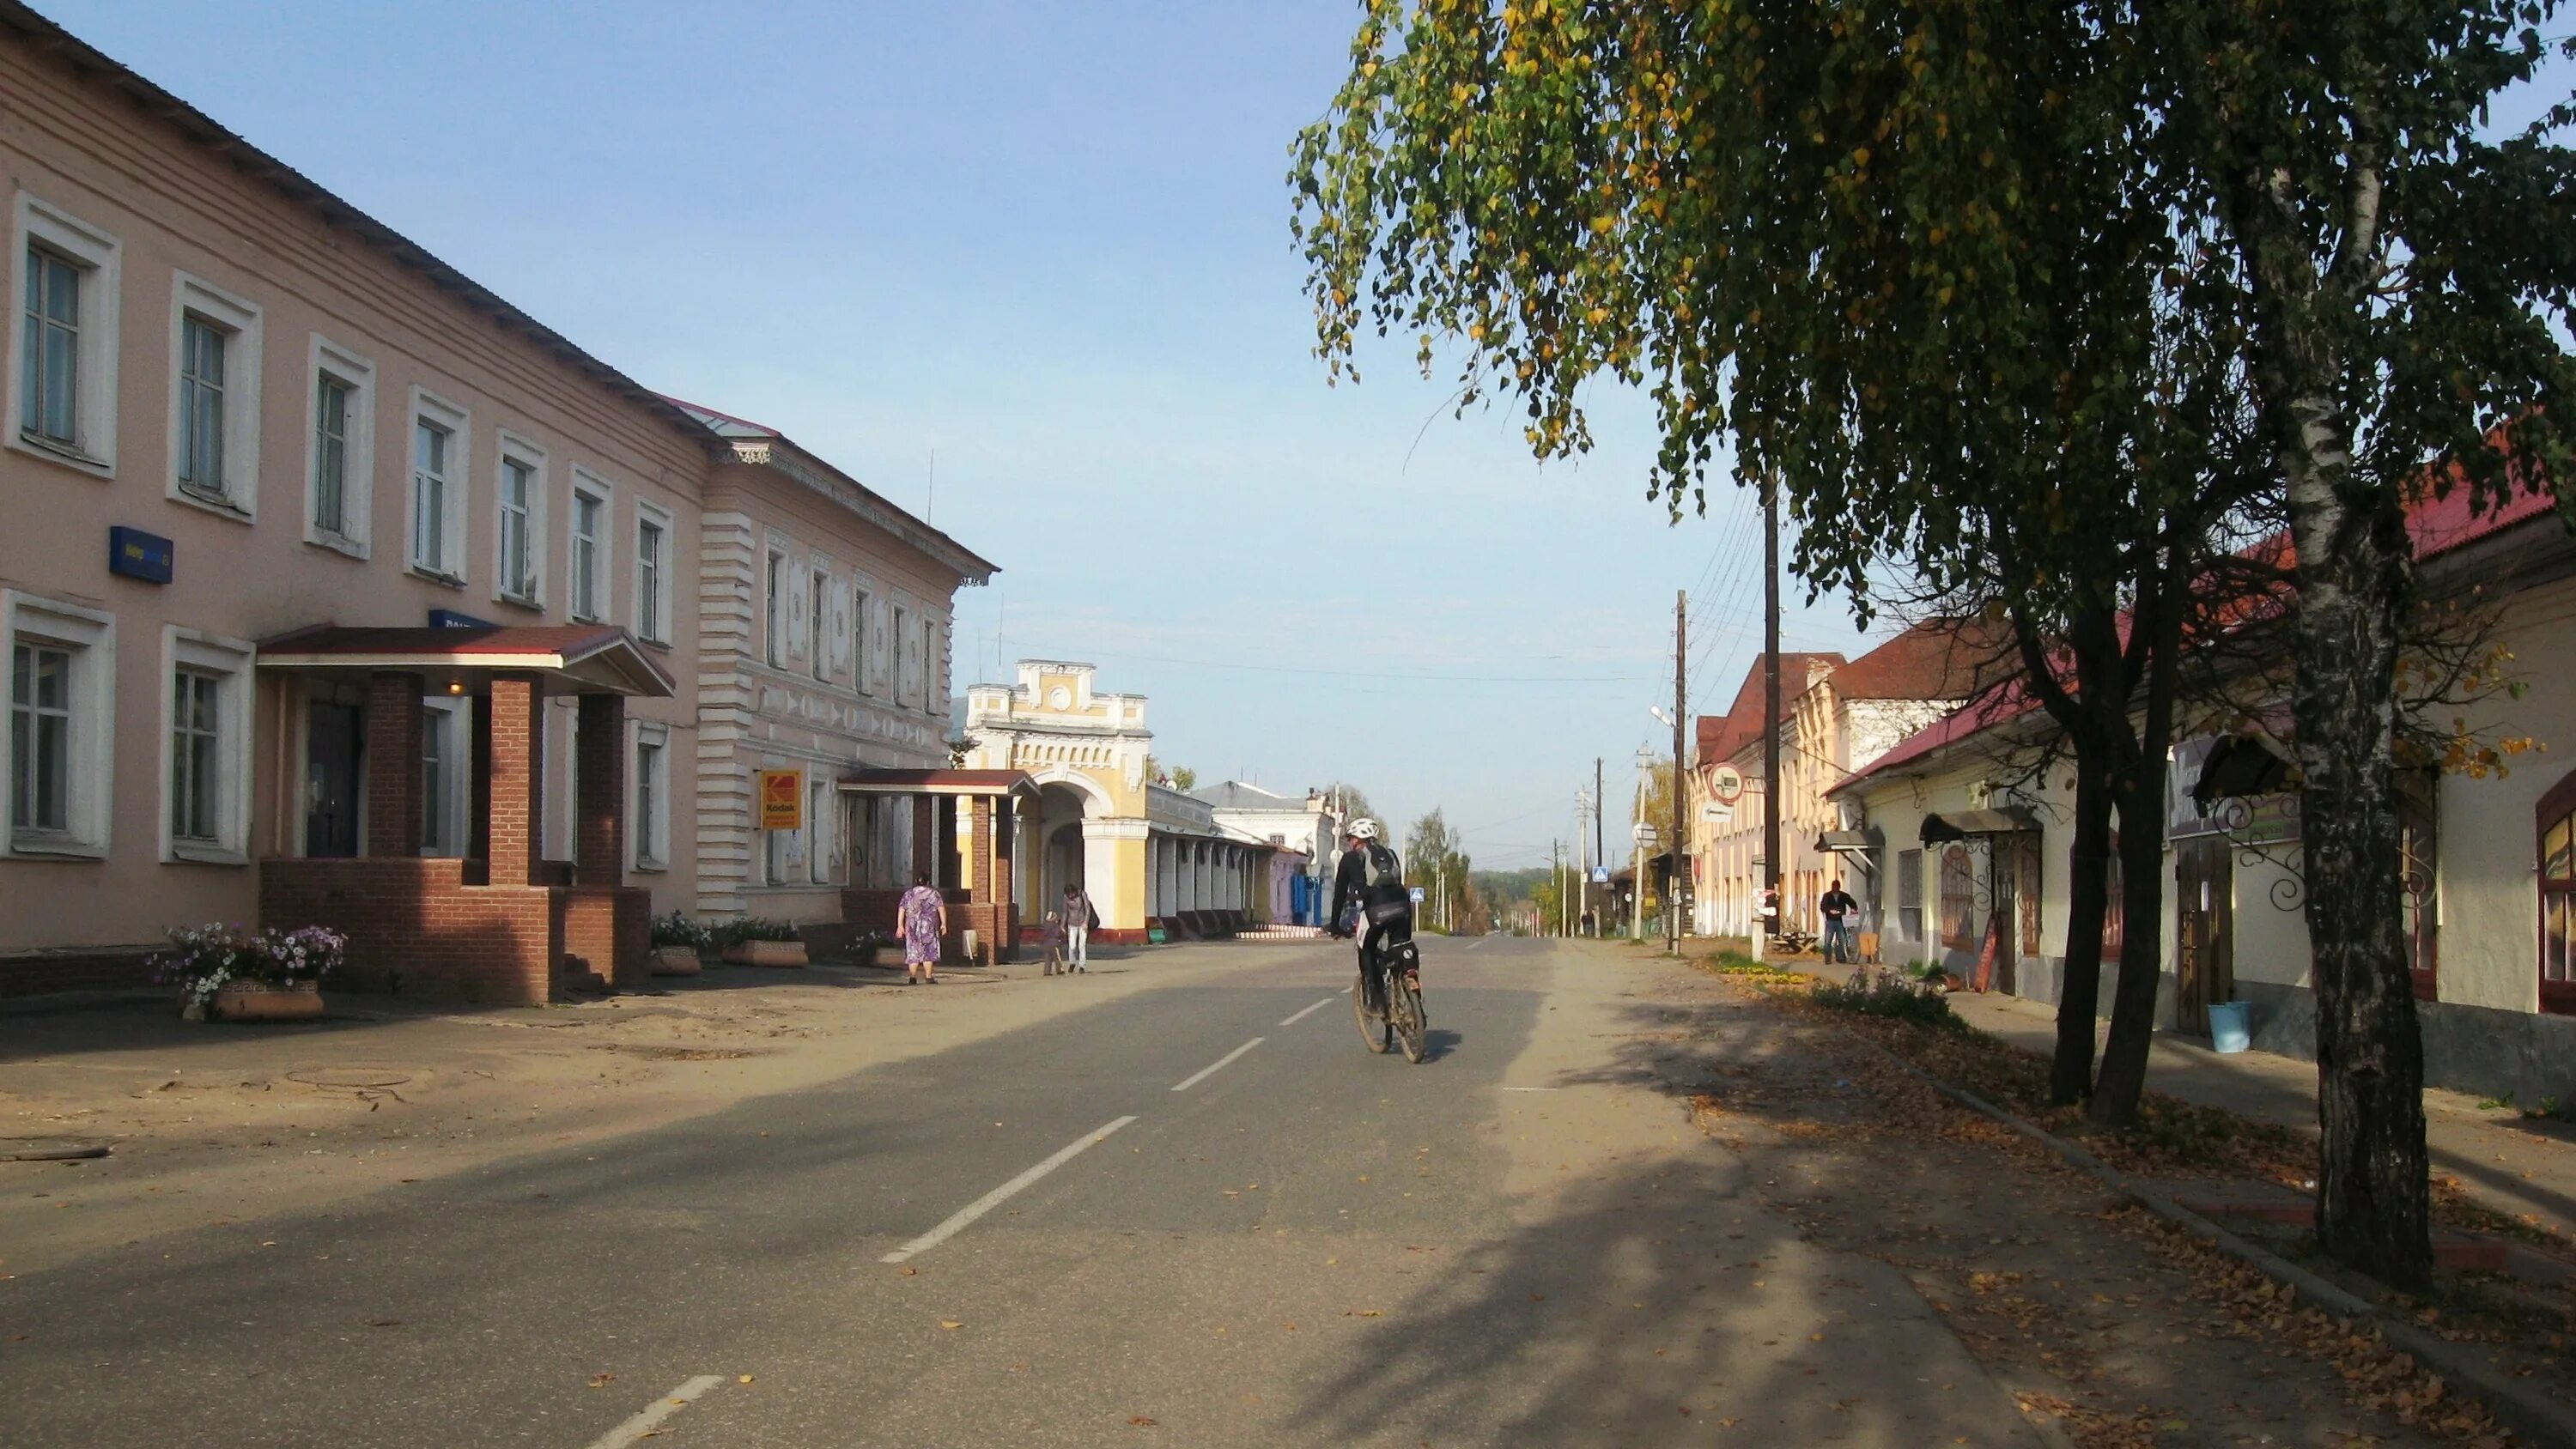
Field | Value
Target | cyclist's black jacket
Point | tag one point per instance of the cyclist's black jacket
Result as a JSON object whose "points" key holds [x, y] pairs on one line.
{"points": [[1350, 882]]}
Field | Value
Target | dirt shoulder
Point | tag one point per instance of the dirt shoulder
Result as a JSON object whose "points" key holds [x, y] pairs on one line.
{"points": [[209, 1123], [2111, 1326]]}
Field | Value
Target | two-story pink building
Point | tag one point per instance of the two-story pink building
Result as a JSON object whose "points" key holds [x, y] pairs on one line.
{"points": [[335, 587]]}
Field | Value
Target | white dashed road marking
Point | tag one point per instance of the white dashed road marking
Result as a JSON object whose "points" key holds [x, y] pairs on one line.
{"points": [[1309, 1011], [999, 1195], [1212, 1068], [663, 1408]]}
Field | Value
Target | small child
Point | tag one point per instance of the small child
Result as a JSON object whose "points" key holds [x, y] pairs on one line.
{"points": [[1054, 937]]}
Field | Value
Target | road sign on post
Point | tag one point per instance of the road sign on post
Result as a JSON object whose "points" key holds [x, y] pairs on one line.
{"points": [[1726, 783], [1417, 895]]}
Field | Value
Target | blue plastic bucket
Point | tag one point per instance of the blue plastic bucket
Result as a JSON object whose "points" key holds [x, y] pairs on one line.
{"points": [[2229, 1026]]}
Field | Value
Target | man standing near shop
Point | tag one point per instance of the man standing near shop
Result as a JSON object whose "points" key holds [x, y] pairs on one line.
{"points": [[1837, 905]]}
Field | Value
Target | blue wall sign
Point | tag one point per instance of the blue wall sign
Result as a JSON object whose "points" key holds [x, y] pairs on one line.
{"points": [[140, 555], [450, 619]]}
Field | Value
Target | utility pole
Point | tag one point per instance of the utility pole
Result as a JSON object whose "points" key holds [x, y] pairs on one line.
{"points": [[1600, 846], [1673, 878], [1770, 708]]}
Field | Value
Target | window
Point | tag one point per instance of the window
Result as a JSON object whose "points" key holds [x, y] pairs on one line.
{"points": [[1958, 898], [2557, 822], [341, 466], [63, 359], [206, 776], [777, 608], [438, 485], [201, 405], [900, 666], [818, 855], [652, 810], [519, 501], [331, 405], [818, 624], [62, 664], [1909, 894], [51, 377], [589, 529], [862, 657], [196, 740], [652, 574], [930, 700], [214, 398], [40, 737], [433, 781]]}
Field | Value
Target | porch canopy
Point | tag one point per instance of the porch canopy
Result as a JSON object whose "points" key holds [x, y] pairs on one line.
{"points": [[970, 784], [1860, 845], [1960, 824], [456, 659], [983, 900]]}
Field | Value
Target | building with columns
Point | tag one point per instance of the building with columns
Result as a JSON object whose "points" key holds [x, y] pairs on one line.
{"points": [[1153, 859]]}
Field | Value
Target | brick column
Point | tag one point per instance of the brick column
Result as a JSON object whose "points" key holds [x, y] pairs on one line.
{"points": [[599, 789], [517, 778], [393, 764]]}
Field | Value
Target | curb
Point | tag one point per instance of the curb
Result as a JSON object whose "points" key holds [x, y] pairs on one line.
{"points": [[2541, 1420]]}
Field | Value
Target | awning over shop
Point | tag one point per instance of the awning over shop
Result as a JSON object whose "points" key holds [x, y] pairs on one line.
{"points": [[577, 658], [2239, 767], [1960, 824], [1860, 845], [968, 783]]}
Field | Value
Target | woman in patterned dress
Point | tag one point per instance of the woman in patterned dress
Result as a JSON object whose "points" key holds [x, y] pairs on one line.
{"points": [[921, 918]]}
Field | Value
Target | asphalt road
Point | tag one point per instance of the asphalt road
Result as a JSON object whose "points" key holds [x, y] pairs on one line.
{"points": [[1520, 1241]]}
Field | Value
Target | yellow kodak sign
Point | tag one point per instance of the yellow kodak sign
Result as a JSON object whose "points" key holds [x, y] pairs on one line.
{"points": [[782, 799]]}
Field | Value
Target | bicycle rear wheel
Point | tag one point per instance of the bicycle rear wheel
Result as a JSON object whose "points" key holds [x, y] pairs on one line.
{"points": [[1374, 1029], [1405, 1015]]}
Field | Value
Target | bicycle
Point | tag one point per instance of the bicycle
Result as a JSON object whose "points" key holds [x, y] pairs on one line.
{"points": [[1403, 1020]]}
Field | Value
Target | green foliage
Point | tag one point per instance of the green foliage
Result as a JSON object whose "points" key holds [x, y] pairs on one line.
{"points": [[679, 928], [743, 929], [1871, 994]]}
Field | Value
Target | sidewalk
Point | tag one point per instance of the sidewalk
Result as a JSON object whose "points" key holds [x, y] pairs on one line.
{"points": [[2524, 1167]]}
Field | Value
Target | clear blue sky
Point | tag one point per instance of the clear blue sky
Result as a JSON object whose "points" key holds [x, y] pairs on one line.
{"points": [[1050, 243]]}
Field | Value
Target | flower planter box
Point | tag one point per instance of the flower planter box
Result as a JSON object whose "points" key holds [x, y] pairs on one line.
{"points": [[766, 953], [675, 960], [260, 1001]]}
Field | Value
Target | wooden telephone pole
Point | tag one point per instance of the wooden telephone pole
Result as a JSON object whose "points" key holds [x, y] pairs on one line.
{"points": [[1762, 925], [1673, 849]]}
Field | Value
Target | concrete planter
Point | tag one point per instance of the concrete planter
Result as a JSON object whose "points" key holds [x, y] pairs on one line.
{"points": [[675, 960], [766, 953], [260, 1001]]}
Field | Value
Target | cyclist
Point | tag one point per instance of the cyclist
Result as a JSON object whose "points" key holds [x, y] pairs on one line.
{"points": [[1372, 879]]}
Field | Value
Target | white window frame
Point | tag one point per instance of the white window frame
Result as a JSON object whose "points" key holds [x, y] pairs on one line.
{"points": [[231, 663], [101, 257], [528, 593], [818, 621], [648, 802], [239, 319], [449, 719], [653, 604], [358, 467], [775, 596], [429, 407], [603, 546], [90, 636]]}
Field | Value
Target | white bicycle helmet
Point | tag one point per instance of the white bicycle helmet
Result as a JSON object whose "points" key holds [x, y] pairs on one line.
{"points": [[1362, 829]]}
